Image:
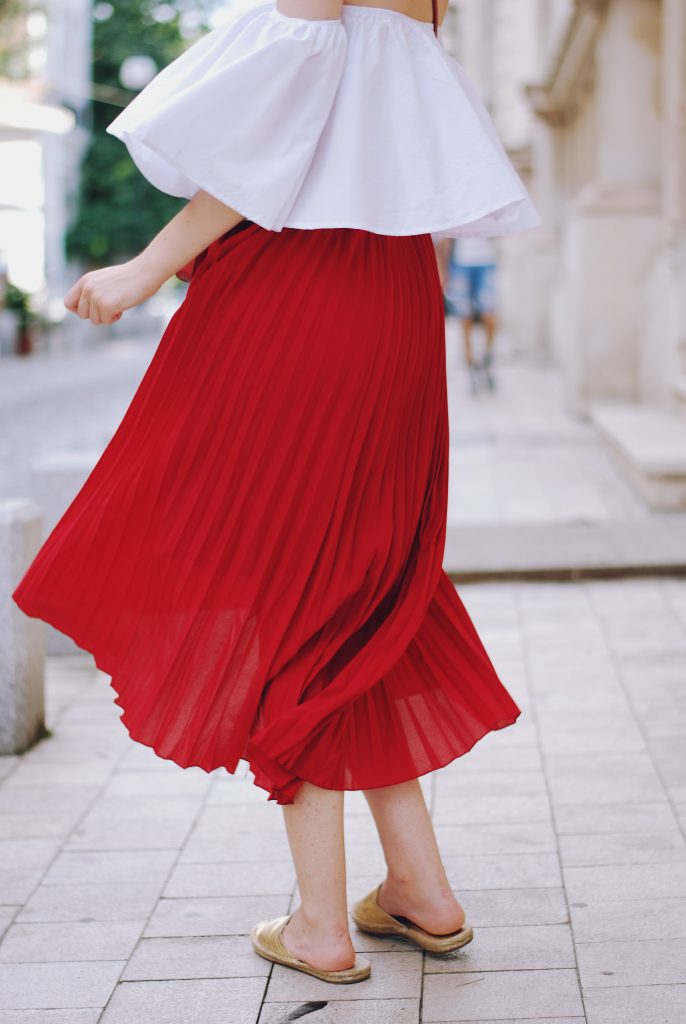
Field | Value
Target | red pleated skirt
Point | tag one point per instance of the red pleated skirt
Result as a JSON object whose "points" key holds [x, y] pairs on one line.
{"points": [[256, 558]]}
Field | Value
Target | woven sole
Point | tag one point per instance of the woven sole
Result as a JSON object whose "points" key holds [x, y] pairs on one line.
{"points": [[418, 937], [359, 972]]}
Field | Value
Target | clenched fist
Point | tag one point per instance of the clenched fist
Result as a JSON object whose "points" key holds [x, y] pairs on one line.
{"points": [[101, 296]]}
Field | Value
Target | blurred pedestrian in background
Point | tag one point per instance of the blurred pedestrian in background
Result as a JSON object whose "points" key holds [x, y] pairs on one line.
{"points": [[468, 273]]}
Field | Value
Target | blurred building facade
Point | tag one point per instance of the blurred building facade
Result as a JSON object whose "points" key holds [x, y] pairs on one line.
{"points": [[590, 99], [44, 100], [610, 161]]}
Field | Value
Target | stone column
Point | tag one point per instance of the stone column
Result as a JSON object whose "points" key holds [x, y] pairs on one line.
{"points": [[663, 341], [22, 638], [613, 224]]}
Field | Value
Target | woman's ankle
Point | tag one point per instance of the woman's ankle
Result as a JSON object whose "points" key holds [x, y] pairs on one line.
{"points": [[319, 944], [434, 906], [413, 886], [314, 922]]}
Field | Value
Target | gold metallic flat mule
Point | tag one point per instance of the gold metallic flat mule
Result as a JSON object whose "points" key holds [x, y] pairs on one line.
{"points": [[370, 918], [266, 940]]}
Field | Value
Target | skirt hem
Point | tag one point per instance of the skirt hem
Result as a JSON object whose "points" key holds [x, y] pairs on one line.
{"points": [[283, 793]]}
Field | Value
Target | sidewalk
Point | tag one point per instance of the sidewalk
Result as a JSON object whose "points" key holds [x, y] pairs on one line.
{"points": [[533, 491], [130, 884]]}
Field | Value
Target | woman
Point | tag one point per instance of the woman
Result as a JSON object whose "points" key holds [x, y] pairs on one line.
{"points": [[255, 559]]}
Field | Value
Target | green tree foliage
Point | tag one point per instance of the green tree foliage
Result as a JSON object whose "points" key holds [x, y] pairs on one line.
{"points": [[12, 40], [118, 212]]}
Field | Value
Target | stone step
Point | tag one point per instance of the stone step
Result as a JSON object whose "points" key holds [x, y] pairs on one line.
{"points": [[649, 447], [679, 389], [654, 545]]}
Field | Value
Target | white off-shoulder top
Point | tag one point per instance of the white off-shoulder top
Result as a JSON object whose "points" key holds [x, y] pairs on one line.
{"points": [[363, 121]]}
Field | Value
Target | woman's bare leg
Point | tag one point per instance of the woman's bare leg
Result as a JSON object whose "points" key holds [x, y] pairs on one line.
{"points": [[318, 930], [416, 885]]}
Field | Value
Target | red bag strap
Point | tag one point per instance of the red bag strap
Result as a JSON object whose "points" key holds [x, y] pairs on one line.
{"points": [[434, 15]]}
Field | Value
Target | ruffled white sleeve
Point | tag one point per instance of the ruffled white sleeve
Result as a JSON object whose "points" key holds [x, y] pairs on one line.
{"points": [[240, 113]]}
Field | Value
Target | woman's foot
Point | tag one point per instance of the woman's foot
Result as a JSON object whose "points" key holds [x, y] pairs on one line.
{"points": [[326, 947], [436, 911]]}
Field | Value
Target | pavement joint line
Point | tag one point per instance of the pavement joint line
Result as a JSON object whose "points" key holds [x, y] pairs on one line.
{"points": [[566, 573], [641, 984]]}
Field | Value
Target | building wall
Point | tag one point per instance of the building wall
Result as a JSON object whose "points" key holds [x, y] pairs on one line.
{"points": [[589, 97], [608, 144], [42, 134]]}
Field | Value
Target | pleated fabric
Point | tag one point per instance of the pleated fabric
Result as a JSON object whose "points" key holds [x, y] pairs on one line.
{"points": [[256, 558]]}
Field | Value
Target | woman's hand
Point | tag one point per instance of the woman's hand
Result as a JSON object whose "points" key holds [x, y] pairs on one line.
{"points": [[101, 296]]}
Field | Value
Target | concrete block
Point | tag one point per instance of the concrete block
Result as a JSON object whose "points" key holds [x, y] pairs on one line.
{"points": [[22, 638], [649, 447]]}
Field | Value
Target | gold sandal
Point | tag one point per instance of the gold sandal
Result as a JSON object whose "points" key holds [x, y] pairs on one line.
{"points": [[370, 918], [266, 940]]}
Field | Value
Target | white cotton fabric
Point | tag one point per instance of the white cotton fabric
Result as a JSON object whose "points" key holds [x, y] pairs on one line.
{"points": [[363, 121]]}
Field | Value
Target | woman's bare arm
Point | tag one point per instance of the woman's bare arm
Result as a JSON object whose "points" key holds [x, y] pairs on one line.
{"points": [[201, 221], [101, 296]]}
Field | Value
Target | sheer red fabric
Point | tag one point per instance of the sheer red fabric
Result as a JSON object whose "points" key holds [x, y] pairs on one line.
{"points": [[256, 558]]}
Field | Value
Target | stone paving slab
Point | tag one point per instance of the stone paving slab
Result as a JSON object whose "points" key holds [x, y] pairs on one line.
{"points": [[211, 1001], [632, 962], [650, 1004], [525, 948], [501, 995], [52, 985], [75, 941], [72, 1016], [99, 901], [358, 1011], [206, 956]]}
